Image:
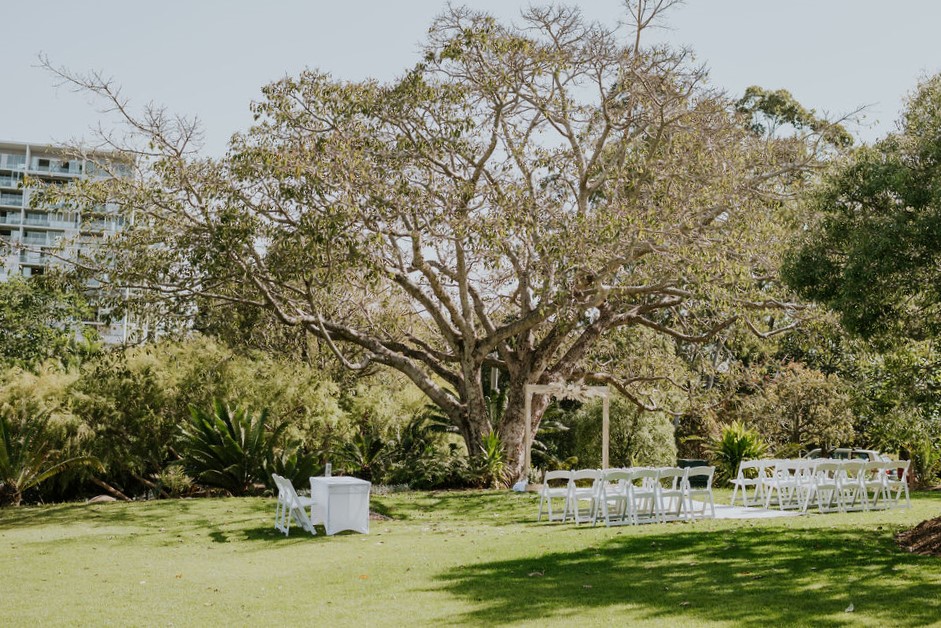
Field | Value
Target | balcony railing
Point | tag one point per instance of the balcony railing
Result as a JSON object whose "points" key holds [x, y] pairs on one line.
{"points": [[31, 257], [10, 219], [9, 182], [11, 199], [12, 162], [54, 167]]}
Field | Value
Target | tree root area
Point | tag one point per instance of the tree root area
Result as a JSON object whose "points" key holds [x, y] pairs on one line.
{"points": [[924, 539]]}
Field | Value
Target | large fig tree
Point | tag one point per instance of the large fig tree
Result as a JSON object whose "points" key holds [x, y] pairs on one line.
{"points": [[510, 202]]}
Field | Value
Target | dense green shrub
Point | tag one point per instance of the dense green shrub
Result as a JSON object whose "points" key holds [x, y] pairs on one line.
{"points": [[364, 454], [637, 438], [128, 407], [125, 408], [487, 468], [230, 448], [30, 453], [420, 456], [135, 403], [736, 443]]}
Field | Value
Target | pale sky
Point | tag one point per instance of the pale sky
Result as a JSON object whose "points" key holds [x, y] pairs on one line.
{"points": [[209, 58]]}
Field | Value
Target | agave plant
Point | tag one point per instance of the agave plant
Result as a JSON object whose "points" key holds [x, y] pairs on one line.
{"points": [[489, 466], [296, 465], [736, 443], [230, 448], [365, 454], [29, 455]]}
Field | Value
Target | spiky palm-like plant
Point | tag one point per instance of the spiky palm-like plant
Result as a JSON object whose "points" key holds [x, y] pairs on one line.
{"points": [[736, 443], [230, 448], [29, 455]]}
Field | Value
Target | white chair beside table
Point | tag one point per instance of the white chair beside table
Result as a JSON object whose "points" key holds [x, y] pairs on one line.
{"points": [[291, 506]]}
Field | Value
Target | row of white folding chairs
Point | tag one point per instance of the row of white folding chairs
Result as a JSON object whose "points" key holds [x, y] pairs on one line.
{"points": [[628, 496], [830, 484]]}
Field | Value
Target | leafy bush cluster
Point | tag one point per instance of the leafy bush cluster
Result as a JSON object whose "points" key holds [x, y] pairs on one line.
{"points": [[570, 436], [179, 418]]}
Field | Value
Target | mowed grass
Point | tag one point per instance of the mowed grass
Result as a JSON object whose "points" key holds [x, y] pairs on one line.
{"points": [[456, 558]]}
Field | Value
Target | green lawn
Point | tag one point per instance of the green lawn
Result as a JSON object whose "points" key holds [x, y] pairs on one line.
{"points": [[455, 558]]}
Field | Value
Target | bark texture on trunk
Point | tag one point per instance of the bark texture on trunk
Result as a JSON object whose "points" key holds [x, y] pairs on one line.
{"points": [[513, 428]]}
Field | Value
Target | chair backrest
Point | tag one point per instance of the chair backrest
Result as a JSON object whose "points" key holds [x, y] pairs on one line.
{"points": [[748, 469], [557, 475], [827, 470], [766, 468], [779, 468], [286, 492], [698, 472], [802, 465], [645, 477], [874, 470], [582, 475], [671, 477], [618, 475], [900, 469], [277, 483], [853, 470]]}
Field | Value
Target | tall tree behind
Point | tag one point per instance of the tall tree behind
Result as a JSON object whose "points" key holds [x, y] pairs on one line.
{"points": [[510, 201], [875, 253]]}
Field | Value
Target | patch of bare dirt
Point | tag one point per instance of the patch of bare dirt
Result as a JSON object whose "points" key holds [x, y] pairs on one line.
{"points": [[924, 539]]}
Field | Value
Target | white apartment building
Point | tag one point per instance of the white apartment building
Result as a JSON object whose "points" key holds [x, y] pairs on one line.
{"points": [[32, 239]]}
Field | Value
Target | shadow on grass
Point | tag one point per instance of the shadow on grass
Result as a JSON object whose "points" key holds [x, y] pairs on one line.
{"points": [[493, 507], [754, 577], [496, 507], [218, 519]]}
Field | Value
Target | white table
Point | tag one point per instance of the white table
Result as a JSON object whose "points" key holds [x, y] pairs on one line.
{"points": [[340, 503]]}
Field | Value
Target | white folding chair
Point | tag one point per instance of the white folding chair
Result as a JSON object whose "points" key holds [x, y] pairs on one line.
{"points": [[824, 487], [614, 496], [853, 491], [751, 474], [791, 480], [705, 493], [670, 493], [291, 506], [875, 491], [578, 493], [550, 492], [643, 492], [897, 481]]}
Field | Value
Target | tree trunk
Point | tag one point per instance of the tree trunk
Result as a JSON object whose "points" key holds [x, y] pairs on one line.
{"points": [[476, 412], [110, 489], [513, 428]]}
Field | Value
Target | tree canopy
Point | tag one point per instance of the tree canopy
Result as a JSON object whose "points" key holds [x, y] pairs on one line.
{"points": [[873, 256], [41, 318], [509, 203]]}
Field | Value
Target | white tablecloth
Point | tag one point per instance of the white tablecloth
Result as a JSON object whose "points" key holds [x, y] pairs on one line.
{"points": [[340, 503]]}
